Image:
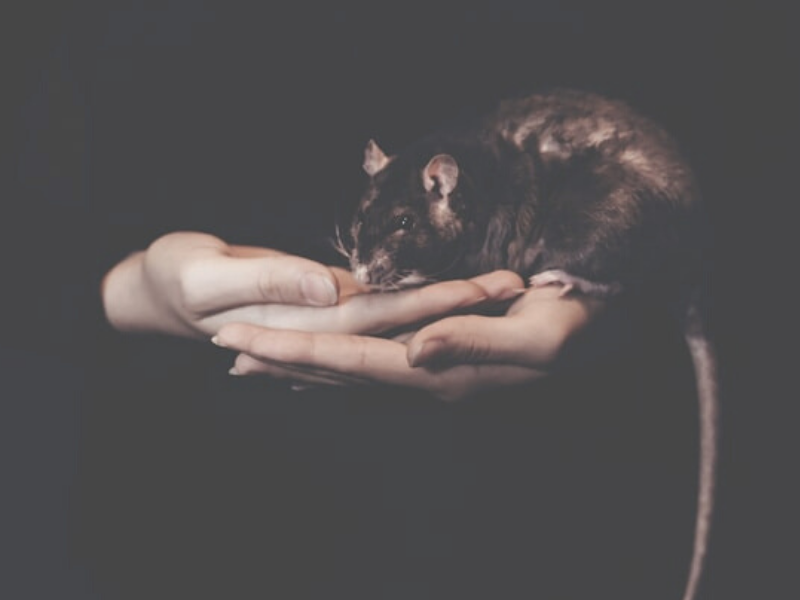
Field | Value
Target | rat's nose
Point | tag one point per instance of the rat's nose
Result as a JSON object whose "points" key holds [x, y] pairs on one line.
{"points": [[361, 273]]}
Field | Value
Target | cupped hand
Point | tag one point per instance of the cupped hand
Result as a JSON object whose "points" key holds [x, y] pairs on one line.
{"points": [[191, 284], [450, 358]]}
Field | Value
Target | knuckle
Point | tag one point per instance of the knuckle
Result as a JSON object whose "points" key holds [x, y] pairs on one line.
{"points": [[265, 285], [314, 351], [362, 355]]}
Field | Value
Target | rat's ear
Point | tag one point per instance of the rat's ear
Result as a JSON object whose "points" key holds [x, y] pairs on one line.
{"points": [[441, 171], [374, 158]]}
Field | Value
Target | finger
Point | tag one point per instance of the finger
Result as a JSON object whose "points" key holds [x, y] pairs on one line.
{"points": [[500, 285], [227, 282], [249, 365], [478, 339], [532, 333], [331, 359], [368, 359], [360, 313], [380, 312], [347, 283]]}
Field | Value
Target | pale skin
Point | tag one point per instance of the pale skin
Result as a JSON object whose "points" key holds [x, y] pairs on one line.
{"points": [[296, 319]]}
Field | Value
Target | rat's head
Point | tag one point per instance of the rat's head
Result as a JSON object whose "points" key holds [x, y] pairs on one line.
{"points": [[410, 223]]}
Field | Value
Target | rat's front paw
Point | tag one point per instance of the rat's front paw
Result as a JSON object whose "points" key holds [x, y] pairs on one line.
{"points": [[572, 282]]}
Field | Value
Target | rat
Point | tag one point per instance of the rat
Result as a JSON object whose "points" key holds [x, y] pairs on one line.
{"points": [[565, 187]]}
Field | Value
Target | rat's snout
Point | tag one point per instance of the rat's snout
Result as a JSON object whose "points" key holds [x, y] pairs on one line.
{"points": [[375, 271], [361, 273]]}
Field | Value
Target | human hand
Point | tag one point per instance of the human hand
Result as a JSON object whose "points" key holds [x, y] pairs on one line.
{"points": [[191, 284], [450, 358]]}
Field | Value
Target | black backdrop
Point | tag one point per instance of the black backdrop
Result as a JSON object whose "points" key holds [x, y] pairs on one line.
{"points": [[250, 123]]}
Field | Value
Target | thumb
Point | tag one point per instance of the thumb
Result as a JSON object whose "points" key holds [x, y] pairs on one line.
{"points": [[231, 281], [461, 339], [474, 339]]}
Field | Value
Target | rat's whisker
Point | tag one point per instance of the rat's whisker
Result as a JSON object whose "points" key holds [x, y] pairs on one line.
{"points": [[338, 244]]}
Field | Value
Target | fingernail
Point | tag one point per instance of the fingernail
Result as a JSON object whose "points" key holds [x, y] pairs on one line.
{"points": [[234, 371], [318, 290], [217, 342]]}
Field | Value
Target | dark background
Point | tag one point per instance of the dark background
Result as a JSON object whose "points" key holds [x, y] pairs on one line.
{"points": [[723, 80]]}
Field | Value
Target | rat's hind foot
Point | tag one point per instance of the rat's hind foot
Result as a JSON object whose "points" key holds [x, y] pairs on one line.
{"points": [[571, 282]]}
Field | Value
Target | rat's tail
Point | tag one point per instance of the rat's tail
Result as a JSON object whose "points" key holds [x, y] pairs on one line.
{"points": [[705, 367]]}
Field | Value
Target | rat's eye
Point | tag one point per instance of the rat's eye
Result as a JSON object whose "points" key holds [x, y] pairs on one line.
{"points": [[403, 222]]}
